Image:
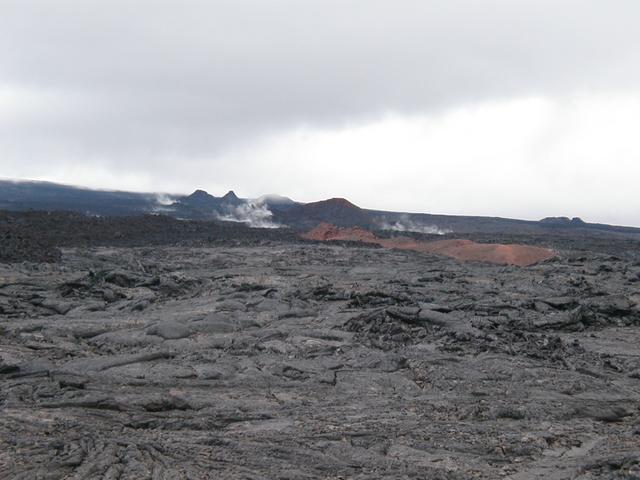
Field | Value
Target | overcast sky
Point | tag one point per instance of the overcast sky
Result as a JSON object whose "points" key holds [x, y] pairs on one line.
{"points": [[519, 108]]}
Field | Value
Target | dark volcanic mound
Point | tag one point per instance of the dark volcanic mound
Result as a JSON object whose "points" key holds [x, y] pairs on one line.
{"points": [[200, 199], [231, 198], [338, 211]]}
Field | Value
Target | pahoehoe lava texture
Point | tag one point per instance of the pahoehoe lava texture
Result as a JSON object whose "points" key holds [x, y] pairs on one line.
{"points": [[289, 360]]}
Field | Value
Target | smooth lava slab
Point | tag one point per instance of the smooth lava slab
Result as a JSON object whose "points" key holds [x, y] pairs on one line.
{"points": [[460, 249]]}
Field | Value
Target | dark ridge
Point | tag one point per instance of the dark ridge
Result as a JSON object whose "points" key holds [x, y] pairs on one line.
{"points": [[49, 196], [200, 205], [38, 236]]}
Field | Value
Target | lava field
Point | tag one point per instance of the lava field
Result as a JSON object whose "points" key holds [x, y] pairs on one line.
{"points": [[271, 357]]}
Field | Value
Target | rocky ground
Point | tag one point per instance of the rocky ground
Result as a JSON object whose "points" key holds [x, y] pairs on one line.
{"points": [[299, 360]]}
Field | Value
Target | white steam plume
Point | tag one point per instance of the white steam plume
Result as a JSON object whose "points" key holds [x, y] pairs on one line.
{"points": [[254, 215], [164, 204], [164, 200], [405, 224]]}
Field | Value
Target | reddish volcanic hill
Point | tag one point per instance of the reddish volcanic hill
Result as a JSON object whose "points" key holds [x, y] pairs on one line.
{"points": [[337, 211], [326, 231], [465, 250]]}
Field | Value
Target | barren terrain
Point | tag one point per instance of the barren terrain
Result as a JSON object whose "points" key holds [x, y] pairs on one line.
{"points": [[296, 360], [460, 249]]}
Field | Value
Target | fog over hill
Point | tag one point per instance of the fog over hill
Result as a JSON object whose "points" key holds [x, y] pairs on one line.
{"points": [[271, 211]]}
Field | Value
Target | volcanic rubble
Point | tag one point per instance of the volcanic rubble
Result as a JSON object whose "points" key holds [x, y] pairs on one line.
{"points": [[301, 360]]}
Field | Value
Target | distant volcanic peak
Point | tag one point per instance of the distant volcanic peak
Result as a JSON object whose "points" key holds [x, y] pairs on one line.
{"points": [[199, 198], [200, 194], [333, 202], [336, 211], [230, 196], [460, 249]]}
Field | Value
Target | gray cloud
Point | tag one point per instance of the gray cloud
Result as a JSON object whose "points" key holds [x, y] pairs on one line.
{"points": [[218, 69], [151, 87]]}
